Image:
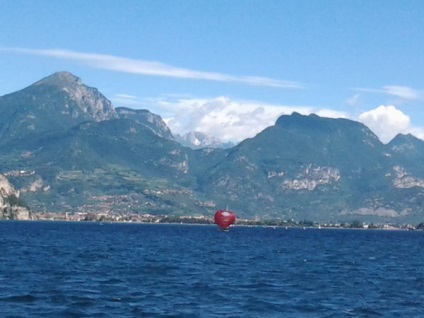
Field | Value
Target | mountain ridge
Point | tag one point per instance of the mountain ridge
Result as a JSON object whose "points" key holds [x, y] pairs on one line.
{"points": [[113, 159]]}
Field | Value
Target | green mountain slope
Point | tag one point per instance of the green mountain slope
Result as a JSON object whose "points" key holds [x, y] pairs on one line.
{"points": [[66, 148]]}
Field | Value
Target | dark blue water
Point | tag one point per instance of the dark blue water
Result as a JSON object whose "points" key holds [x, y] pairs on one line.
{"points": [[133, 270]]}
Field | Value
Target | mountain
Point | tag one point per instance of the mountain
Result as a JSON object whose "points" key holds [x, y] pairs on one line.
{"points": [[406, 175], [146, 118], [96, 163], [407, 150], [56, 102], [303, 165], [64, 147], [198, 140]]}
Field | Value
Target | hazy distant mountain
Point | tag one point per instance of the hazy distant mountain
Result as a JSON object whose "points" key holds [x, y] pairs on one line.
{"points": [[198, 140], [66, 148]]}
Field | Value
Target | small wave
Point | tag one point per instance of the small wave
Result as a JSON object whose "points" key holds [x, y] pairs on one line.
{"points": [[20, 298], [111, 276]]}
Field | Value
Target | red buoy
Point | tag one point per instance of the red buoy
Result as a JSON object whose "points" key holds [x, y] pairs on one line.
{"points": [[224, 218]]}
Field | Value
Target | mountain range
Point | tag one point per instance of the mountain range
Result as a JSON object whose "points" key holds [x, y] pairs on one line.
{"points": [[66, 148]]}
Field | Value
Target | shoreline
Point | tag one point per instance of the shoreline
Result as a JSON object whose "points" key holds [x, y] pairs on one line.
{"points": [[384, 227]]}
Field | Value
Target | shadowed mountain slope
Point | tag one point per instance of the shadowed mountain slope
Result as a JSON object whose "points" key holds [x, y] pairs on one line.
{"points": [[66, 148]]}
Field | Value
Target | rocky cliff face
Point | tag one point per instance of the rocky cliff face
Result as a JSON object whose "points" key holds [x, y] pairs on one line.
{"points": [[57, 102], [9, 202], [147, 119], [83, 100]]}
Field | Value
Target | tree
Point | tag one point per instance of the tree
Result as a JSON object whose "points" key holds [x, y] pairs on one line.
{"points": [[356, 224], [420, 226]]}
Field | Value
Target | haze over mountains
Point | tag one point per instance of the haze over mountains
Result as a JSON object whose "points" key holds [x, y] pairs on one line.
{"points": [[65, 147], [198, 140]]}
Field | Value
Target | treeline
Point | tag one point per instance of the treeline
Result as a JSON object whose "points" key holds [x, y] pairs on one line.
{"points": [[355, 224]]}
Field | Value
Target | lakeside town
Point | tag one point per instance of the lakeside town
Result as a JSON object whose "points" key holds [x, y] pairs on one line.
{"points": [[149, 218]]}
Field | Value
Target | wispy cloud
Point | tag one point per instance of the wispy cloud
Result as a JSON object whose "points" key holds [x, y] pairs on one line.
{"points": [[403, 92], [126, 96], [127, 100], [353, 100], [151, 68]]}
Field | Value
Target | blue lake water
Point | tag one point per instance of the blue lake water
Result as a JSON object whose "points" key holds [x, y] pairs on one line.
{"points": [[65, 269]]}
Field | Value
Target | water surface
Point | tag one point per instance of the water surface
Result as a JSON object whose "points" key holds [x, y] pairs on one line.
{"points": [[65, 269]]}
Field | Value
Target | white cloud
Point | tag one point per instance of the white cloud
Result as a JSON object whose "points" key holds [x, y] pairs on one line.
{"points": [[331, 113], [231, 120], [235, 120], [151, 68], [226, 119], [386, 122], [417, 132]]}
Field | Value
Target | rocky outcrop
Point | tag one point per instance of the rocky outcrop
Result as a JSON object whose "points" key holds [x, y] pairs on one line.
{"points": [[405, 180], [144, 117], [10, 204], [87, 101], [51, 105], [311, 177]]}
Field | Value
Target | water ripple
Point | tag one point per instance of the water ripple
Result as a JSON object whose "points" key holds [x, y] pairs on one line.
{"points": [[132, 270]]}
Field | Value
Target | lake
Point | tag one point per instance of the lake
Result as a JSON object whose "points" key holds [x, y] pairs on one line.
{"points": [[67, 269]]}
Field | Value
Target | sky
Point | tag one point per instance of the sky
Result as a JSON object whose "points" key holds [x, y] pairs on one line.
{"points": [[229, 68]]}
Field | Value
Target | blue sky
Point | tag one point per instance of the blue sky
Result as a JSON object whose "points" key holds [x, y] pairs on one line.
{"points": [[228, 68]]}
